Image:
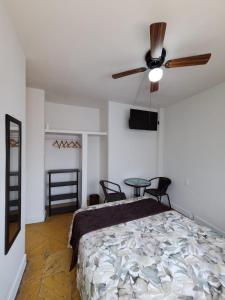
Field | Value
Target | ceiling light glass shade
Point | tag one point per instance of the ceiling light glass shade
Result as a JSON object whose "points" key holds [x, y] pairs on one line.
{"points": [[155, 74]]}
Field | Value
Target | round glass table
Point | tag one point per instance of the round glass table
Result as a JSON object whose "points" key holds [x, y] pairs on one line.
{"points": [[137, 184]]}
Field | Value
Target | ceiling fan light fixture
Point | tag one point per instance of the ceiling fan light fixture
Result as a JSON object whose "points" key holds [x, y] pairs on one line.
{"points": [[155, 74]]}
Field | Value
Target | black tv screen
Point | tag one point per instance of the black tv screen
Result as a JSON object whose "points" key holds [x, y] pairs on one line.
{"points": [[143, 120]]}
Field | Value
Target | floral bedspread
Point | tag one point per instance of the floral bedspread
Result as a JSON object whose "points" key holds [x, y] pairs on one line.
{"points": [[165, 256]]}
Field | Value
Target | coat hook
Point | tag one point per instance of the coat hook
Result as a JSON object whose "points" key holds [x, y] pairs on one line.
{"points": [[69, 144]]}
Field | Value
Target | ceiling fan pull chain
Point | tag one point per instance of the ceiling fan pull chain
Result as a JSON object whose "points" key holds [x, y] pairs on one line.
{"points": [[150, 98], [139, 89]]}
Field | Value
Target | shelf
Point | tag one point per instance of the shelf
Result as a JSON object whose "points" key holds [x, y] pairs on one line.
{"points": [[100, 133], [63, 171], [63, 196], [63, 183], [14, 188], [73, 132], [63, 208]]}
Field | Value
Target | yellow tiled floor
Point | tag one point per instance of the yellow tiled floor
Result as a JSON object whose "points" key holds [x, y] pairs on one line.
{"points": [[47, 275]]}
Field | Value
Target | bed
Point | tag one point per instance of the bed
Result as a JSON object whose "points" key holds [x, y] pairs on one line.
{"points": [[161, 256]]}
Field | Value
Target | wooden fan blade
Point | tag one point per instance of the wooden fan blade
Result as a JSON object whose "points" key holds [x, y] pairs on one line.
{"points": [[154, 86], [188, 61], [157, 34], [129, 72]]}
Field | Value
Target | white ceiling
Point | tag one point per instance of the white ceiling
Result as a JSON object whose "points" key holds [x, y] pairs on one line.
{"points": [[73, 47]]}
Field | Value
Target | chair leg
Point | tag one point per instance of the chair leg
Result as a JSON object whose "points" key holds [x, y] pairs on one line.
{"points": [[168, 200]]}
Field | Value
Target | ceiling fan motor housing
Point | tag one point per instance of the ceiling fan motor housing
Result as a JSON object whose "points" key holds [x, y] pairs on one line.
{"points": [[153, 63]]}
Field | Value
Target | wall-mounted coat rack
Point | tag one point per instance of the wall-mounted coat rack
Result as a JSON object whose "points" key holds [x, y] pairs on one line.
{"points": [[69, 144]]}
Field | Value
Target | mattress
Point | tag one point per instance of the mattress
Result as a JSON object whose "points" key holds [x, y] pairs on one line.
{"points": [[164, 256]]}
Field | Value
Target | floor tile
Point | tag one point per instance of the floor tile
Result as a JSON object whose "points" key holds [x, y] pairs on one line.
{"points": [[58, 262], [47, 275], [56, 286], [29, 290]]}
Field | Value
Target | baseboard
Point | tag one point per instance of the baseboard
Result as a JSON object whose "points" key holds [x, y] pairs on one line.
{"points": [[203, 222], [183, 211], [19, 275], [197, 219], [35, 220]]}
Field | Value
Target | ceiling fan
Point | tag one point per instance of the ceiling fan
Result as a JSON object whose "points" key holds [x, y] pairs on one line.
{"points": [[155, 58]]}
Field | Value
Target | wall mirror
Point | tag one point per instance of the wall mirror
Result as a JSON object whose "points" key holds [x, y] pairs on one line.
{"points": [[13, 181]]}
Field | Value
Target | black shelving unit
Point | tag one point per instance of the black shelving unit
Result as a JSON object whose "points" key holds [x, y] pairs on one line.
{"points": [[68, 207]]}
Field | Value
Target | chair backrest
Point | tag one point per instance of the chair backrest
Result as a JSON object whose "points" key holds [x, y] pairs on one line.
{"points": [[106, 189], [163, 184]]}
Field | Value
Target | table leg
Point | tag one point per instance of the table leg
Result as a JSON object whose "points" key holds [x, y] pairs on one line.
{"points": [[137, 191]]}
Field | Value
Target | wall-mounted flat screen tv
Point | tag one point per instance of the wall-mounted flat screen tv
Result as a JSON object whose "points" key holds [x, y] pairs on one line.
{"points": [[143, 120]]}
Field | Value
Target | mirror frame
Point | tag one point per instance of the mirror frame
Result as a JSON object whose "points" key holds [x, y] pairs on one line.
{"points": [[8, 120]]}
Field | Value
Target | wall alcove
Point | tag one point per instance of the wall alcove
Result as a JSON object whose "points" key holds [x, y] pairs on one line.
{"points": [[83, 158]]}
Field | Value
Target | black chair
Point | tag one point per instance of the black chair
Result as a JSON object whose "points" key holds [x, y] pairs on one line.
{"points": [[161, 189], [110, 193]]}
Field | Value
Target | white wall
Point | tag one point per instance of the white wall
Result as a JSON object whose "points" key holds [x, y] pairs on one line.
{"points": [[103, 172], [93, 164], [131, 153], [35, 211], [194, 155], [12, 101], [60, 116]]}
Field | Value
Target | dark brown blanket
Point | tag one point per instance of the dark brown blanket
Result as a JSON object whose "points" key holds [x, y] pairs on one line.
{"points": [[91, 220]]}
